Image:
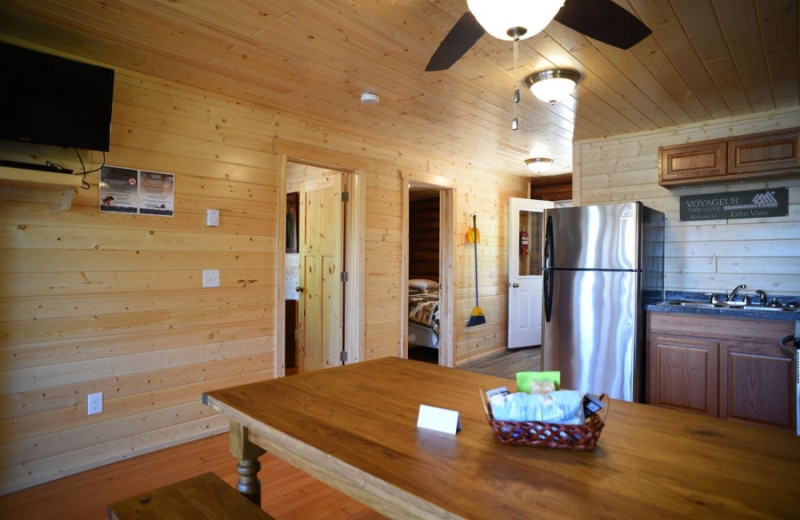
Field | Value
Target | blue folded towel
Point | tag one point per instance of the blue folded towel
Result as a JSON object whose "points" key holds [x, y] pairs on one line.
{"points": [[560, 407]]}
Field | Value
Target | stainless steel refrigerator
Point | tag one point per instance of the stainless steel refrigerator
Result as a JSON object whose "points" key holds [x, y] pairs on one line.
{"points": [[602, 265]]}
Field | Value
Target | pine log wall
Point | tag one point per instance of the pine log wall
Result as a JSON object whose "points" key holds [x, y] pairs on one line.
{"points": [[114, 303], [423, 239], [552, 187]]}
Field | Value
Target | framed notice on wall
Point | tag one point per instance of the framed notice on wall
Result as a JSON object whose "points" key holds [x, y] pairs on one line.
{"points": [[123, 190], [765, 203]]}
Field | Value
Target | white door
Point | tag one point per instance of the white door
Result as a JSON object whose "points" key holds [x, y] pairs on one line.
{"points": [[525, 272], [321, 306]]}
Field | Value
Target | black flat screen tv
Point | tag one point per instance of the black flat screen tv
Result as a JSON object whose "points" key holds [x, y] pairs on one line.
{"points": [[51, 100]]}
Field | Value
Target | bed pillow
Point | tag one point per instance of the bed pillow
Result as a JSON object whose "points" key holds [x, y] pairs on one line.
{"points": [[421, 283]]}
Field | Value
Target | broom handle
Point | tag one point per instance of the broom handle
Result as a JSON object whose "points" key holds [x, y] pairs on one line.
{"points": [[475, 232]]}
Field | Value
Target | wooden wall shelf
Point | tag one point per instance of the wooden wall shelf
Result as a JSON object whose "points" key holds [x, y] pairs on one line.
{"points": [[35, 179]]}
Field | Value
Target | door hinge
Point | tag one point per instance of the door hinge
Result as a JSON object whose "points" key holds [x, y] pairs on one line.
{"points": [[343, 356], [344, 276], [345, 196]]}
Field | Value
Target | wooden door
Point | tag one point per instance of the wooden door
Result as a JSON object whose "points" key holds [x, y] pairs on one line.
{"points": [[321, 239]]}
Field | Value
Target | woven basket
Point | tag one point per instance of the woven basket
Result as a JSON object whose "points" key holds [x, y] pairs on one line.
{"points": [[578, 437]]}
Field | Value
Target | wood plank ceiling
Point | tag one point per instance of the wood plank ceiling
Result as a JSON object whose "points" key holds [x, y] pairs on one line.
{"points": [[706, 59]]}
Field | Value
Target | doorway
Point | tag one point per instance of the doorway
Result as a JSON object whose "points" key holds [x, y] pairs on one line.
{"points": [[428, 324], [322, 278], [525, 272]]}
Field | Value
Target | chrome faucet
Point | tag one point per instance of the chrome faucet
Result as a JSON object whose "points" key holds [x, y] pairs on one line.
{"points": [[732, 295], [762, 297]]}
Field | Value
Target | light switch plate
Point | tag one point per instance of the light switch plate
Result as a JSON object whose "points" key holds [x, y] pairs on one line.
{"points": [[210, 277], [212, 217]]}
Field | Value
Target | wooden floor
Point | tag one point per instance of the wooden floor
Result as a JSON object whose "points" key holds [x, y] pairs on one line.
{"points": [[287, 493], [507, 363]]}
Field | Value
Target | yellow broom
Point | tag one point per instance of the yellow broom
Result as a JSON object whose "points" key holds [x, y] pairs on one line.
{"points": [[476, 317]]}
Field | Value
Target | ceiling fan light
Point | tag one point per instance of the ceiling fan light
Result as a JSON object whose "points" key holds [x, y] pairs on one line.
{"points": [[503, 18], [552, 85], [539, 165]]}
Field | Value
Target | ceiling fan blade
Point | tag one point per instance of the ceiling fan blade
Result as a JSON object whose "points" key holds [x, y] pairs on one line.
{"points": [[603, 20], [458, 41]]}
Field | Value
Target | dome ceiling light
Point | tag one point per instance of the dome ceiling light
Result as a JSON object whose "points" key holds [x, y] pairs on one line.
{"points": [[553, 85], [512, 19], [539, 165]]}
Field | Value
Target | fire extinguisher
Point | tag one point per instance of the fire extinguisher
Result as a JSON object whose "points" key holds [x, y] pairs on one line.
{"points": [[523, 242]]}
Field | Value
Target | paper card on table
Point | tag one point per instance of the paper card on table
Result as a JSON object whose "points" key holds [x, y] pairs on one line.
{"points": [[438, 419]]}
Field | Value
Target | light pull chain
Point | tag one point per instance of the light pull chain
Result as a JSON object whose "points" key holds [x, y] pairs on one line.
{"points": [[515, 121]]}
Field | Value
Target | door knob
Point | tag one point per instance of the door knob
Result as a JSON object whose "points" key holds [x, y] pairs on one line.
{"points": [[298, 289], [515, 285]]}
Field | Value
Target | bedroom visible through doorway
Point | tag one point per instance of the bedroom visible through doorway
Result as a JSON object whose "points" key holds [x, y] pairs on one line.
{"points": [[423, 274]]}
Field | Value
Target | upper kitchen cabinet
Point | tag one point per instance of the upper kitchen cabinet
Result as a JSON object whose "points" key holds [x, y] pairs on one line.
{"points": [[771, 154], [687, 163], [775, 153]]}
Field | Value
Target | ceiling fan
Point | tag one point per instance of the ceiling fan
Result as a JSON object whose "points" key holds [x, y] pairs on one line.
{"points": [[602, 20]]}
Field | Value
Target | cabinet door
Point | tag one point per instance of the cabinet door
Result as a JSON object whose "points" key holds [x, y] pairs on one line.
{"points": [[683, 373], [757, 384], [685, 164], [765, 154]]}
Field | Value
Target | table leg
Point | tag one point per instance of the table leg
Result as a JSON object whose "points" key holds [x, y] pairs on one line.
{"points": [[248, 466]]}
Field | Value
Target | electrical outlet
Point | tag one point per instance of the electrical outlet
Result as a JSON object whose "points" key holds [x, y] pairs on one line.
{"points": [[95, 403]]}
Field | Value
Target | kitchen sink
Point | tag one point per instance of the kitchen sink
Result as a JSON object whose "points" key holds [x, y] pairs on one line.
{"points": [[728, 306]]}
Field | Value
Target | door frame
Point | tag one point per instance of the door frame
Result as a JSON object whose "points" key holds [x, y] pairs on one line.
{"points": [[447, 217], [354, 250]]}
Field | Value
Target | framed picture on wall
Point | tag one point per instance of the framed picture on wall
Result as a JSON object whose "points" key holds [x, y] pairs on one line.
{"points": [[292, 230]]}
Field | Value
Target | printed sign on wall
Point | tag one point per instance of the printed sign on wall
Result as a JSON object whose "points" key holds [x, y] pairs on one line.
{"points": [[769, 202], [123, 190]]}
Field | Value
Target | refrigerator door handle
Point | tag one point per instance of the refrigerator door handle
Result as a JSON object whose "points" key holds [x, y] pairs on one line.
{"points": [[548, 243], [547, 282]]}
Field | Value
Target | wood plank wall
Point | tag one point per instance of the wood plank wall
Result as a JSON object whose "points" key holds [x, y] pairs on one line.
{"points": [[103, 302], [708, 256], [114, 303]]}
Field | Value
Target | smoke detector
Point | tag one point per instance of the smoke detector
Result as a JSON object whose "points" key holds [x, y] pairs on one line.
{"points": [[368, 98]]}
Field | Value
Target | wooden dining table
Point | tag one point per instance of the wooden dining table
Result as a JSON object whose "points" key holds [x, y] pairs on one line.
{"points": [[355, 428]]}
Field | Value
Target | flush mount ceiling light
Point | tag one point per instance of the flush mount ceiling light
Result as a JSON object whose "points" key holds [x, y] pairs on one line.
{"points": [[368, 98], [539, 165], [552, 85], [512, 19]]}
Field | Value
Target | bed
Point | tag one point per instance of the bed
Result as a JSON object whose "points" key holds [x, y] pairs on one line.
{"points": [[423, 313]]}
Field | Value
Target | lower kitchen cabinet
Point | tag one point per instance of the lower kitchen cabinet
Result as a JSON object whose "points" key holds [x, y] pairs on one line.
{"points": [[722, 367]]}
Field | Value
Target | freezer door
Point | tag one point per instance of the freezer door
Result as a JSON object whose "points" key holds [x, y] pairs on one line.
{"points": [[592, 336], [593, 237]]}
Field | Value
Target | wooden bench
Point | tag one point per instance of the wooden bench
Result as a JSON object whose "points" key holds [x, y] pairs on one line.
{"points": [[205, 497]]}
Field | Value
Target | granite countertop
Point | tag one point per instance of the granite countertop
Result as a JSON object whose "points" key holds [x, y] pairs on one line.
{"points": [[722, 312]]}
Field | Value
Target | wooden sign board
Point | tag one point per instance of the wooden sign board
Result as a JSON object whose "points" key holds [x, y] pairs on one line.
{"points": [[764, 203]]}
